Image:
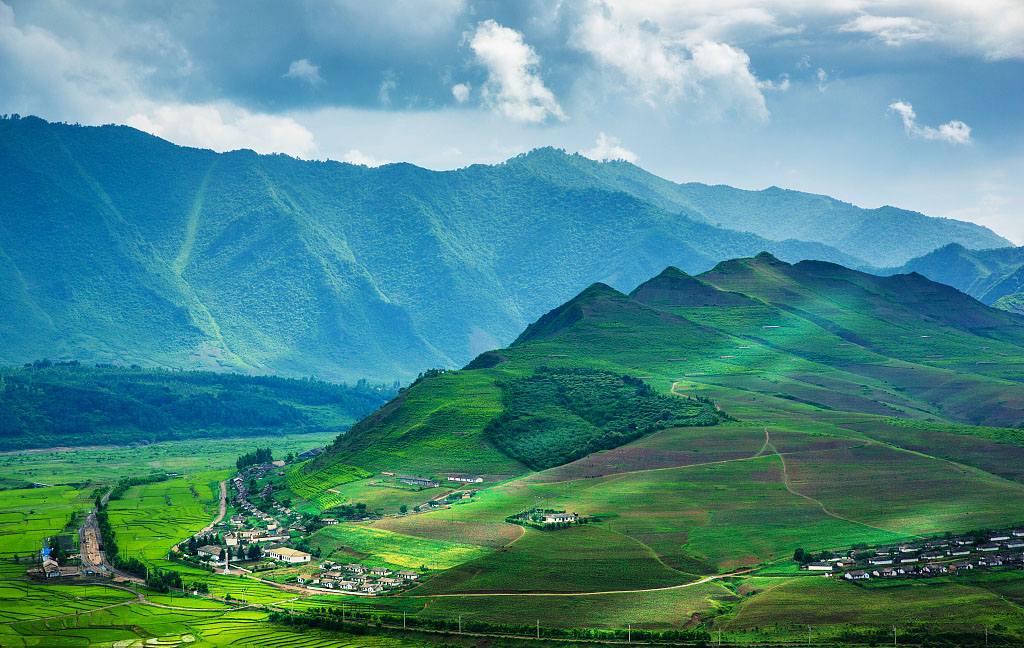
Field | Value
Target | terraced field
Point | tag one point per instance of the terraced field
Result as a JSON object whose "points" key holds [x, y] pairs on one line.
{"points": [[151, 518]]}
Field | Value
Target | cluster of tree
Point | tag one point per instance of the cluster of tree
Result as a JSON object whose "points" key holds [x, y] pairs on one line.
{"points": [[258, 456], [347, 512], [164, 580], [352, 621], [47, 404], [237, 552], [558, 415], [803, 557]]}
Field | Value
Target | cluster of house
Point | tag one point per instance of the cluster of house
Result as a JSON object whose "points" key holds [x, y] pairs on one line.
{"points": [[428, 482], [358, 578], [929, 558]]}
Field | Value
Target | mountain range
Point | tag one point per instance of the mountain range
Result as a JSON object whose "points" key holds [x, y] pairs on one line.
{"points": [[995, 277], [117, 246]]}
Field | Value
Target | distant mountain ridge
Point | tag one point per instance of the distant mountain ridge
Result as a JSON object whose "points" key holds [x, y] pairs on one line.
{"points": [[995, 277], [117, 246]]}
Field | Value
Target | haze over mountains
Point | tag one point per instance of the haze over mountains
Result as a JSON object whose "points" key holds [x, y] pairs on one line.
{"points": [[995, 277], [119, 246]]}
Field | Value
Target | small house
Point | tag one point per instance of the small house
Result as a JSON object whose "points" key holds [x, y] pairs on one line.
{"points": [[553, 518], [860, 574], [381, 571], [880, 560], [988, 547], [408, 575], [209, 551], [353, 567], [819, 566]]}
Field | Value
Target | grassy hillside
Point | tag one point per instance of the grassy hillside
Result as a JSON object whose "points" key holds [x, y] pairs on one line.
{"points": [[116, 246], [68, 404]]}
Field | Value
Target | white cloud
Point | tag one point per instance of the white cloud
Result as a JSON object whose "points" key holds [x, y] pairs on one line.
{"points": [[461, 92], [892, 30], [514, 87], [355, 156], [387, 84], [666, 65], [225, 127], [609, 148], [821, 79], [954, 132], [993, 29], [303, 70], [781, 85]]}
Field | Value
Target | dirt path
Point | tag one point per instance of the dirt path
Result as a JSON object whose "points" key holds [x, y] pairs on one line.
{"points": [[223, 508], [825, 510]]}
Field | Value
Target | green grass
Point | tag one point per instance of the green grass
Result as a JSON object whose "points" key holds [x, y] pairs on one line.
{"points": [[787, 608], [392, 549], [581, 559], [27, 516]]}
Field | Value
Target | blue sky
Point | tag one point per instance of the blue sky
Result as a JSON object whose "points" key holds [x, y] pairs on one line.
{"points": [[914, 103]]}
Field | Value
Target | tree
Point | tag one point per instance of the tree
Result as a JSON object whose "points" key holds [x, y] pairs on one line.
{"points": [[403, 509], [254, 552]]}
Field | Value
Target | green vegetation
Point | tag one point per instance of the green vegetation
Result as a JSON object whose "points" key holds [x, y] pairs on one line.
{"points": [[29, 516], [45, 404], [171, 246], [558, 415], [386, 548]]}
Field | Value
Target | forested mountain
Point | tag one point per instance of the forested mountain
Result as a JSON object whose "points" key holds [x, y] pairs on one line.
{"points": [[44, 405], [117, 246], [987, 275], [763, 334]]}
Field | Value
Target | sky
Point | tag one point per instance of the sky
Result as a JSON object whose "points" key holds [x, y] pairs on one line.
{"points": [[912, 103]]}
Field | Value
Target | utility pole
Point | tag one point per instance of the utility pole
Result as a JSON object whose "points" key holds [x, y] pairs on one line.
{"points": [[538, 629], [629, 633], [894, 635], [986, 635], [808, 635], [719, 636], [460, 624], [403, 620]]}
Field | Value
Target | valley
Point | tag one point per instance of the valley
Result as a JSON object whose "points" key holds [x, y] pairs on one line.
{"points": [[672, 450]]}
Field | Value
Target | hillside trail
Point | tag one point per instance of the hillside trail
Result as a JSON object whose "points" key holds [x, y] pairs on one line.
{"points": [[825, 510]]}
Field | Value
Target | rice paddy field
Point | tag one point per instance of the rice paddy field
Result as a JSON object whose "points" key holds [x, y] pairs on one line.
{"points": [[151, 518], [28, 516]]}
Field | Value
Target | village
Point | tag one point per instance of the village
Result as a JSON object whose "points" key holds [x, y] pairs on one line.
{"points": [[925, 559], [269, 537]]}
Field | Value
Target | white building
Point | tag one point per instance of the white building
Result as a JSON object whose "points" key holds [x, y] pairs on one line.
{"points": [[290, 556]]}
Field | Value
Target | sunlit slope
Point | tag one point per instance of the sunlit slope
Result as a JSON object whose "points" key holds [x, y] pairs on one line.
{"points": [[811, 336]]}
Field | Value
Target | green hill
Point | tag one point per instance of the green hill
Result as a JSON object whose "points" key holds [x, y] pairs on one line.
{"points": [[116, 246], [813, 333]]}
